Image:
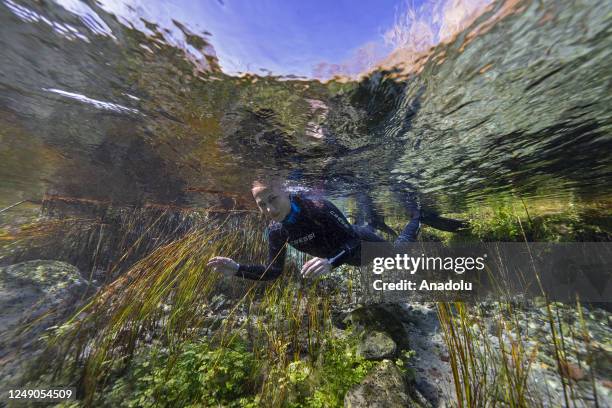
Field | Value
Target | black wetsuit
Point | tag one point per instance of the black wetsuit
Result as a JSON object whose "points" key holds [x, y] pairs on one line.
{"points": [[317, 227]]}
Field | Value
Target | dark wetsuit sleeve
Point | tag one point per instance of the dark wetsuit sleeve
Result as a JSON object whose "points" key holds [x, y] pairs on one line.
{"points": [[276, 260], [340, 227]]}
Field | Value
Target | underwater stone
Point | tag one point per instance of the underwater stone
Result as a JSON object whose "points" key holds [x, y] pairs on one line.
{"points": [[384, 387], [45, 275], [30, 288], [37, 295], [386, 318], [377, 346]]}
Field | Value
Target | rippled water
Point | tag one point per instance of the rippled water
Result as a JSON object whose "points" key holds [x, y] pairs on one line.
{"points": [[93, 108]]}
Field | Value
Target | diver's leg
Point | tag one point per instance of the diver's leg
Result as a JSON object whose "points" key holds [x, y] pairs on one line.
{"points": [[363, 213], [367, 213], [418, 215], [411, 230], [408, 198], [442, 223], [367, 233]]}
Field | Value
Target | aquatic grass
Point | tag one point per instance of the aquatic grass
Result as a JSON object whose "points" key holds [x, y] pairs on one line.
{"points": [[42, 231], [496, 371], [589, 351], [102, 241], [166, 298], [488, 372], [173, 274], [548, 219], [288, 324]]}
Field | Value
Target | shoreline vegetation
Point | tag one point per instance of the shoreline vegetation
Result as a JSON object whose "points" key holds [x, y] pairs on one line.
{"points": [[155, 328]]}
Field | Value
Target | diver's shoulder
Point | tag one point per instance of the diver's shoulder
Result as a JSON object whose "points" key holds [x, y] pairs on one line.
{"points": [[310, 200]]}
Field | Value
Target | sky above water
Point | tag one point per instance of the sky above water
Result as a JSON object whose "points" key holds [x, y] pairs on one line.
{"points": [[318, 38], [292, 37]]}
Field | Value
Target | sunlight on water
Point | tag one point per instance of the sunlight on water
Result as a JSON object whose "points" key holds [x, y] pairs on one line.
{"points": [[96, 103]]}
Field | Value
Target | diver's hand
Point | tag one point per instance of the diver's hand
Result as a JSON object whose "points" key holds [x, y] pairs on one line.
{"points": [[226, 266], [316, 267]]}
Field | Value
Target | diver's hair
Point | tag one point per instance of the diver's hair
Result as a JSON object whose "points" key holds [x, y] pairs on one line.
{"points": [[269, 178]]}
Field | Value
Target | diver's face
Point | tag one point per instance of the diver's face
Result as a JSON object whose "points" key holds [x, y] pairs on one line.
{"points": [[272, 201]]}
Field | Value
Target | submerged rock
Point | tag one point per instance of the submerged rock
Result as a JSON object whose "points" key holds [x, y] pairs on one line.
{"points": [[377, 346], [30, 288], [385, 318], [34, 295], [384, 387], [43, 274]]}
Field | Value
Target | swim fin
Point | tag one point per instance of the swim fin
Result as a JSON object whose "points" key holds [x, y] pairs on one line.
{"points": [[442, 223]]}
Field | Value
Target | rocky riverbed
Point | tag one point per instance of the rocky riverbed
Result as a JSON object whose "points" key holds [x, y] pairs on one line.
{"points": [[45, 292]]}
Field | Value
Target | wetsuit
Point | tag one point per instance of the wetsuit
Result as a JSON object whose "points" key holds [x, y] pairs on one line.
{"points": [[317, 227]]}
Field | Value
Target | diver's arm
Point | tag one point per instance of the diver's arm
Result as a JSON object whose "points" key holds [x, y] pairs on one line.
{"points": [[276, 260], [347, 251]]}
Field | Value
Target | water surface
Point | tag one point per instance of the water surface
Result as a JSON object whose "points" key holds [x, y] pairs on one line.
{"points": [[94, 107]]}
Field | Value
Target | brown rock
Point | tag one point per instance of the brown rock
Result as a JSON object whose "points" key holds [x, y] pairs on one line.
{"points": [[569, 370]]}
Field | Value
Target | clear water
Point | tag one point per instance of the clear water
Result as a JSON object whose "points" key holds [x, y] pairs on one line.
{"points": [[94, 108]]}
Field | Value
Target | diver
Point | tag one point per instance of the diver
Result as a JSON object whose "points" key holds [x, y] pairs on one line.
{"points": [[312, 225]]}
